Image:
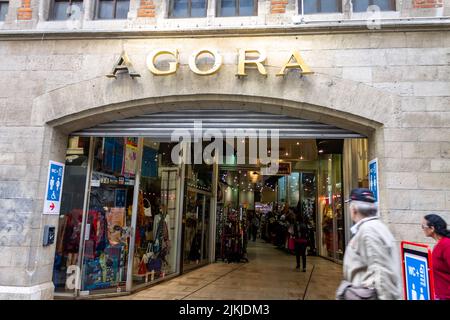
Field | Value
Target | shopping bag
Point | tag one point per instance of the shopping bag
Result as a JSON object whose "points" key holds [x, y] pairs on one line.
{"points": [[148, 254], [154, 264], [142, 267], [291, 243]]}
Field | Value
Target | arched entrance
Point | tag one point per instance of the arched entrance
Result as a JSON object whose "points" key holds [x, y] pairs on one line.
{"points": [[99, 109]]}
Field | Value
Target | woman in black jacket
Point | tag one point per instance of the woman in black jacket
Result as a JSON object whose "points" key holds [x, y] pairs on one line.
{"points": [[300, 236]]}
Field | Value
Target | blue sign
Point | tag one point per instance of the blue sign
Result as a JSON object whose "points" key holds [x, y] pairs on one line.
{"points": [[417, 280], [54, 188], [373, 178]]}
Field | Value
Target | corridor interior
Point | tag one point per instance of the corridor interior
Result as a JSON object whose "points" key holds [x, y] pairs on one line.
{"points": [[269, 274]]}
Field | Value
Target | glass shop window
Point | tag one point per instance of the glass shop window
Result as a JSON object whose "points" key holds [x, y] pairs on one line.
{"points": [[320, 6], [233, 8], [187, 8], [3, 9], [362, 5], [113, 9], [64, 9], [156, 235], [108, 219], [71, 214]]}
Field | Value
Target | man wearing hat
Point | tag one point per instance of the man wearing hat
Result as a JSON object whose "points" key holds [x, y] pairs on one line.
{"points": [[371, 260]]}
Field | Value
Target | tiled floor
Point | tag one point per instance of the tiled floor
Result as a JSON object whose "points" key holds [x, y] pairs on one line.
{"points": [[270, 274]]}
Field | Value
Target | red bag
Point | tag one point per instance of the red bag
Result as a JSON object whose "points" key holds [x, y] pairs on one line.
{"points": [[142, 267], [291, 243]]}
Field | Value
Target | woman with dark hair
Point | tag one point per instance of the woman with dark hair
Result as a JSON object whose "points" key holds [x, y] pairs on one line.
{"points": [[435, 227], [300, 236]]}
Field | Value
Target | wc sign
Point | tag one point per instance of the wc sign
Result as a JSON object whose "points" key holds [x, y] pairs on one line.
{"points": [[54, 188], [417, 273]]}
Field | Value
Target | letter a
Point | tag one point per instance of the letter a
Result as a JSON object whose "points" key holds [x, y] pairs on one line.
{"points": [[297, 64], [123, 63]]}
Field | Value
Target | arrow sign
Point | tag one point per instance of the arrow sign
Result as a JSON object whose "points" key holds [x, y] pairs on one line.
{"points": [[53, 188]]}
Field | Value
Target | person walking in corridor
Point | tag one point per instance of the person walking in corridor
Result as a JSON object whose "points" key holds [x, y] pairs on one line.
{"points": [[371, 260], [300, 238], [255, 227], [435, 227]]}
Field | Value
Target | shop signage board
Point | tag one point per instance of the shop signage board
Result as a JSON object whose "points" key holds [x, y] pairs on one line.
{"points": [[373, 179], [53, 188], [417, 271], [284, 169]]}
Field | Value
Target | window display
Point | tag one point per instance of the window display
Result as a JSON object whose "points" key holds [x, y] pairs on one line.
{"points": [[231, 245], [108, 221], [156, 240]]}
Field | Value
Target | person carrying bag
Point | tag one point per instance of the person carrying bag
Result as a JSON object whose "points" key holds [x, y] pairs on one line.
{"points": [[371, 261]]}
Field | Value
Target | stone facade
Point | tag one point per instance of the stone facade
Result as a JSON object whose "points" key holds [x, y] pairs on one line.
{"points": [[393, 86]]}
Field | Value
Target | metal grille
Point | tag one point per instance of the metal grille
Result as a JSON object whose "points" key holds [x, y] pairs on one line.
{"points": [[162, 125]]}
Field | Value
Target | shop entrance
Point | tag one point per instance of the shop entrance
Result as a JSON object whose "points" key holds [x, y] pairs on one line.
{"points": [[132, 216], [309, 186]]}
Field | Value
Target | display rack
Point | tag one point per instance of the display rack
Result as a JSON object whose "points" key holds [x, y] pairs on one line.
{"points": [[232, 234]]}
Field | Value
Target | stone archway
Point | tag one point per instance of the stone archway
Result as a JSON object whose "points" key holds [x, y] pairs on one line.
{"points": [[342, 103], [351, 105]]}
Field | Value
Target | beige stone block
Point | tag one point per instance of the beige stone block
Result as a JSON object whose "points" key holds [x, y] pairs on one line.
{"points": [[427, 200], [392, 149], [426, 56], [434, 134], [431, 88], [408, 232], [407, 165], [392, 40], [400, 88], [447, 196], [440, 165], [334, 72], [362, 74], [13, 276], [445, 150], [411, 104], [410, 216], [20, 172], [14, 62], [398, 199], [425, 39], [356, 58], [7, 158], [400, 180], [402, 135], [425, 119], [18, 189], [435, 181], [420, 150], [42, 291], [410, 73], [395, 57]]}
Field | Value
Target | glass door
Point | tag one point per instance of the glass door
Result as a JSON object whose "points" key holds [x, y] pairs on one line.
{"points": [[196, 225], [156, 239], [331, 218], [67, 254]]}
